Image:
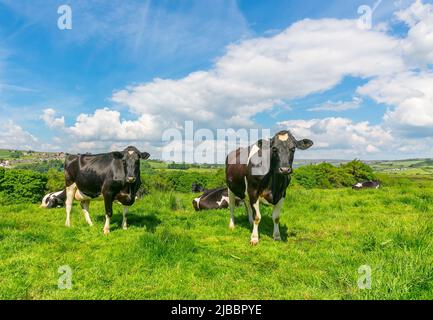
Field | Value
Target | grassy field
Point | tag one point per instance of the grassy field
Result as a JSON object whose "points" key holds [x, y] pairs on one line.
{"points": [[172, 252]]}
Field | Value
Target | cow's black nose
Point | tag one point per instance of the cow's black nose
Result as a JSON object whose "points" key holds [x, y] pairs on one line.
{"points": [[285, 170], [130, 179]]}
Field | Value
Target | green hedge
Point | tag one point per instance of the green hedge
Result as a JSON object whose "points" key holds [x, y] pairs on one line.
{"points": [[30, 186], [181, 181], [21, 186], [325, 175]]}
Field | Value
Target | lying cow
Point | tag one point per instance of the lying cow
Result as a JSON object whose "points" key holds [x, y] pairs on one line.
{"points": [[366, 185], [54, 199], [213, 199], [262, 170], [115, 175]]}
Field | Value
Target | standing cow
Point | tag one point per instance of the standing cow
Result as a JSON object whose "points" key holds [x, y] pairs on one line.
{"points": [[115, 175], [262, 171]]}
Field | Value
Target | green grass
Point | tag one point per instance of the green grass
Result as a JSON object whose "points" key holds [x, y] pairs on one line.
{"points": [[172, 252]]}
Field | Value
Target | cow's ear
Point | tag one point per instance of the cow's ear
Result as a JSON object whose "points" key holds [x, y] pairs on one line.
{"points": [[304, 144], [145, 155], [118, 155]]}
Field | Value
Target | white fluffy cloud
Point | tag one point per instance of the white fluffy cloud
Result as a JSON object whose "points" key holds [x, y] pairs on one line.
{"points": [[410, 97], [341, 135], [418, 45], [106, 125], [12, 135], [48, 116]]}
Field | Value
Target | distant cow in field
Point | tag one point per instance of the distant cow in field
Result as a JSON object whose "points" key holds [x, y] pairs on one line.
{"points": [[54, 199], [262, 171], [115, 175], [196, 187], [213, 199], [366, 185]]}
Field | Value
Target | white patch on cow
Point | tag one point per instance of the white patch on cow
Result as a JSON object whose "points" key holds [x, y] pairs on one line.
{"points": [[255, 233], [107, 225], [85, 205], [57, 193], [358, 185], [197, 201], [232, 200], [283, 137], [377, 187], [70, 195], [130, 152], [79, 196], [253, 151], [248, 203], [44, 203], [124, 222], [223, 198]]}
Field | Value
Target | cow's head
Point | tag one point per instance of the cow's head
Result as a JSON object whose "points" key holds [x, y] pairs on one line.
{"points": [[283, 147], [131, 162]]}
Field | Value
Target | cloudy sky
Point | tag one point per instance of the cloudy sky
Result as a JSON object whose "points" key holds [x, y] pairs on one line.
{"points": [[129, 70]]}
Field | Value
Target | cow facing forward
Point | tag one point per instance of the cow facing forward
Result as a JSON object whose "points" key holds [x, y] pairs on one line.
{"points": [[115, 175], [262, 171]]}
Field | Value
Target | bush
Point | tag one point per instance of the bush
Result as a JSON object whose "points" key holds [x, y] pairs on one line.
{"points": [[181, 181], [21, 186], [56, 180], [359, 170], [325, 175]]}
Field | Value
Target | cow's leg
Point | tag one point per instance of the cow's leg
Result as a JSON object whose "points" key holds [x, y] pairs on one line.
{"points": [[124, 222], [249, 209], [247, 203], [85, 206], [276, 219], [108, 201], [232, 203], [255, 203], [70, 195]]}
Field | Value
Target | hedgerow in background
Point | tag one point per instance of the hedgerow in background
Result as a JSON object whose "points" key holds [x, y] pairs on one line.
{"points": [[21, 186], [181, 180], [42, 166], [325, 175], [55, 180]]}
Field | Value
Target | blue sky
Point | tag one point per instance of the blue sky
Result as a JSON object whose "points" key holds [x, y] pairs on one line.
{"points": [[102, 73]]}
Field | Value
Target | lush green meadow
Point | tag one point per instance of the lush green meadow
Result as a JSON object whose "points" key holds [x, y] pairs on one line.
{"points": [[172, 252]]}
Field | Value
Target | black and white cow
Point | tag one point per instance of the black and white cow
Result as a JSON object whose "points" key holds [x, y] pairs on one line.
{"points": [[366, 185], [54, 199], [213, 199], [262, 171], [115, 175]]}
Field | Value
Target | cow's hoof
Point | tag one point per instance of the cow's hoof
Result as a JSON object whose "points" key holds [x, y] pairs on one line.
{"points": [[106, 231], [67, 224], [254, 241], [231, 226], [277, 238], [125, 227]]}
